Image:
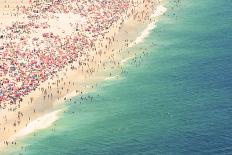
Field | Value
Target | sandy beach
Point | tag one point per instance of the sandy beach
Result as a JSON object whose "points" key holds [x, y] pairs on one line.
{"points": [[103, 61]]}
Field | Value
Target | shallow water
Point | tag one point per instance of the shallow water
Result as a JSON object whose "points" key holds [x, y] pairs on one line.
{"points": [[176, 100]]}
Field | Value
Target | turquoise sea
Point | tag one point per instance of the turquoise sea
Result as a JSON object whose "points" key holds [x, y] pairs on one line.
{"points": [[175, 100]]}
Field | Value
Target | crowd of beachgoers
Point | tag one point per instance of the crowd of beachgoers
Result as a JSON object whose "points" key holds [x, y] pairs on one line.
{"points": [[52, 48], [53, 34]]}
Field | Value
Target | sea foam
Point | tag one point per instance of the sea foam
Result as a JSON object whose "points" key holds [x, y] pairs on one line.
{"points": [[160, 10], [144, 34], [112, 77], [125, 60], [42, 122]]}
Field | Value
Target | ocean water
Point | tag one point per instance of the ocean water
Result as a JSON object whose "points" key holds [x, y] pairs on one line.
{"points": [[175, 100]]}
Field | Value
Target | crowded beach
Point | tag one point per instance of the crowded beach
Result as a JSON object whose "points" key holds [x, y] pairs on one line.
{"points": [[49, 38], [32, 51]]}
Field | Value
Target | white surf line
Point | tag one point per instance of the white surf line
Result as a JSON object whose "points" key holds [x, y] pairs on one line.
{"points": [[40, 123], [126, 59], [112, 77], [160, 10], [144, 34]]}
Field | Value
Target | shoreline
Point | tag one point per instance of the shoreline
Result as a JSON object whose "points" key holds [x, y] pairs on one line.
{"points": [[76, 81]]}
